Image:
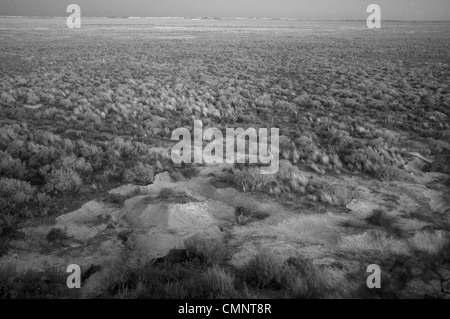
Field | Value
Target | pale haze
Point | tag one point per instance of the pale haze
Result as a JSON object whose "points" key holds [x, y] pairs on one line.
{"points": [[301, 9]]}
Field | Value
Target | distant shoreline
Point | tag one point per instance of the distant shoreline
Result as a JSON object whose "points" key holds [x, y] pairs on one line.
{"points": [[222, 18]]}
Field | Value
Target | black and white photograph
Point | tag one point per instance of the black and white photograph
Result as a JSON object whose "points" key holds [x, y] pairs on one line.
{"points": [[224, 155]]}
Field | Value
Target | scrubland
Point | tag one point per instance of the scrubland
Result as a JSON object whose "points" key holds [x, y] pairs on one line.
{"points": [[84, 112]]}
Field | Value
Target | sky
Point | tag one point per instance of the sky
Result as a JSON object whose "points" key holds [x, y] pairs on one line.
{"points": [[301, 9]]}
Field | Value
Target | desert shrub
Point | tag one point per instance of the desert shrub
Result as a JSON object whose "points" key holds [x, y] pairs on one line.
{"points": [[404, 270], [297, 275], [132, 151], [56, 235], [288, 178], [291, 176], [18, 149], [48, 284], [186, 280], [304, 279], [141, 174], [288, 150], [379, 161], [15, 195], [11, 167], [250, 178], [220, 282], [306, 148], [46, 138], [8, 134], [264, 271], [339, 195], [388, 137], [126, 148], [335, 161], [63, 180], [303, 100], [109, 175], [342, 194], [387, 173], [7, 98], [176, 175], [190, 171], [264, 101], [68, 145], [41, 155], [441, 165], [242, 215], [91, 153], [438, 146], [340, 140], [211, 251], [380, 218], [76, 164], [286, 107]]}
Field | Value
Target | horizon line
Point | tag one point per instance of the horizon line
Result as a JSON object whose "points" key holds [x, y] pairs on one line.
{"points": [[211, 18]]}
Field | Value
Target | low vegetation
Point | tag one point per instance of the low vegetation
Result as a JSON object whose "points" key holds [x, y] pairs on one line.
{"points": [[77, 123], [298, 277], [383, 220], [48, 284], [210, 251]]}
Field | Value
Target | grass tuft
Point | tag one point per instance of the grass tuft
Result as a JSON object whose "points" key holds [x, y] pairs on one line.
{"points": [[211, 251]]}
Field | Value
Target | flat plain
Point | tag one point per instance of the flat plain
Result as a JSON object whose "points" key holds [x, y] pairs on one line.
{"points": [[86, 177]]}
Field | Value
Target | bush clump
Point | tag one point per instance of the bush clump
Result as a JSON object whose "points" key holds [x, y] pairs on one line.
{"points": [[140, 174], [440, 165], [190, 171], [63, 180], [211, 251], [264, 271], [56, 235], [221, 283], [17, 198], [387, 173], [299, 276], [187, 279], [11, 167], [381, 161], [287, 178], [338, 195], [48, 284], [78, 165]]}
